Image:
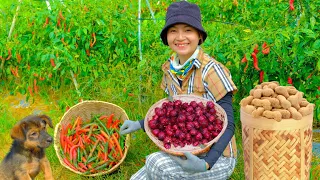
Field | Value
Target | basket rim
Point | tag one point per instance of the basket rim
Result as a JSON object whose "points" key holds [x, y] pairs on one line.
{"points": [[195, 150], [271, 124], [57, 145]]}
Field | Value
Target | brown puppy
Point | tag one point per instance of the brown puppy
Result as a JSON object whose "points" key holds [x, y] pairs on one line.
{"points": [[26, 157]]}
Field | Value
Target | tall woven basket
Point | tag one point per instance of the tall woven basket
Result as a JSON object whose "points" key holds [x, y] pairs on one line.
{"points": [[86, 110], [276, 150]]}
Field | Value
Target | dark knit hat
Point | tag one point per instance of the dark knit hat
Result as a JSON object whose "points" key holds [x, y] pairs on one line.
{"points": [[183, 12]]}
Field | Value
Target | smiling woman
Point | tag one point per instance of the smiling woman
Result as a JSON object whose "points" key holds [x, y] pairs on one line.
{"points": [[183, 39]]}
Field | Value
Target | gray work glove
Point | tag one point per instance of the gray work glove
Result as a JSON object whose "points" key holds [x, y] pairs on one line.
{"points": [[129, 126], [192, 163]]}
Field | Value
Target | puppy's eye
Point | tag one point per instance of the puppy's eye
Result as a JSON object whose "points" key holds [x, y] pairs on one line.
{"points": [[34, 134]]}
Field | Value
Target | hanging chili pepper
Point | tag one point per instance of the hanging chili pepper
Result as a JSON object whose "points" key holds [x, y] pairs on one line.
{"points": [[261, 74], [47, 22], [88, 52], [255, 49], [36, 88], [265, 48], [255, 61], [61, 16], [30, 90], [94, 40], [58, 22], [18, 57], [9, 54], [244, 59], [291, 5], [289, 80], [52, 62]]}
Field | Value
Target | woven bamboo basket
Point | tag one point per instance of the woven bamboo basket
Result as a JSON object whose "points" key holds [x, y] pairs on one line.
{"points": [[276, 150], [179, 151], [86, 110]]}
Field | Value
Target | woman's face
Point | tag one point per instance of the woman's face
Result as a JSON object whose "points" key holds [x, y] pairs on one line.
{"points": [[183, 39]]}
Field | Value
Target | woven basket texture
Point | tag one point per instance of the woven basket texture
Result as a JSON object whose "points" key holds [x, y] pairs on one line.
{"points": [[276, 150], [86, 110], [178, 151]]}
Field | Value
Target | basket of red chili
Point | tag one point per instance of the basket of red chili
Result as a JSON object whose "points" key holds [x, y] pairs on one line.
{"points": [[185, 123], [87, 139]]}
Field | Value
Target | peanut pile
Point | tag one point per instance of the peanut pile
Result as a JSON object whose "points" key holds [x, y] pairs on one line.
{"points": [[273, 101]]}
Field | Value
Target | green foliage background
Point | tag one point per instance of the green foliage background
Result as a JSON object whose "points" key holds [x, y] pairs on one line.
{"points": [[114, 71], [233, 27]]}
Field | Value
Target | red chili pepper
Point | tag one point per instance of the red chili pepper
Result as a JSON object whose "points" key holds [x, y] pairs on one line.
{"points": [[244, 59], [110, 121], [291, 4], [289, 80], [14, 72], [58, 22], [9, 54], [255, 61], [94, 40], [17, 71], [30, 90], [265, 48], [88, 52], [18, 57], [125, 40], [36, 88], [47, 22], [65, 160], [255, 50], [52, 62], [73, 152], [261, 76], [61, 16]]}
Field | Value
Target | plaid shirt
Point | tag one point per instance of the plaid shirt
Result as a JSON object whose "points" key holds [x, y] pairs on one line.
{"points": [[208, 78]]}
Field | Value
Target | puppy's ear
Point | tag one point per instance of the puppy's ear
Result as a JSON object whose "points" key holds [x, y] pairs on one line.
{"points": [[47, 119], [17, 131]]}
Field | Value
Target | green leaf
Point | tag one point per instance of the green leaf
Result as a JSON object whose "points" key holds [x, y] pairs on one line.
{"points": [[100, 22], [312, 22], [318, 65], [316, 44], [85, 31], [309, 33], [58, 64]]}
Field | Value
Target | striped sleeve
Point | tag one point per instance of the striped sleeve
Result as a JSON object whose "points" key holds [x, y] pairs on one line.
{"points": [[217, 80], [164, 84]]}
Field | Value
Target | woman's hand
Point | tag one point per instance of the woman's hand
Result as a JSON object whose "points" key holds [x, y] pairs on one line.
{"points": [[129, 127], [192, 163]]}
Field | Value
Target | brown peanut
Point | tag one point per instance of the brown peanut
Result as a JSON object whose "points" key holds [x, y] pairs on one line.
{"points": [[285, 114], [246, 101], [281, 90], [276, 115], [249, 108], [294, 113], [258, 112], [284, 102], [304, 111]]}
